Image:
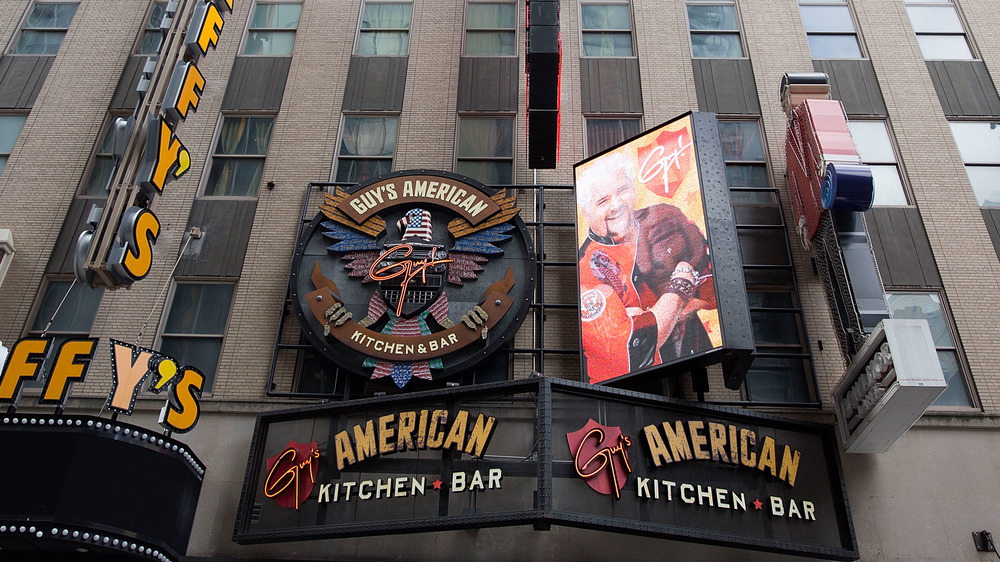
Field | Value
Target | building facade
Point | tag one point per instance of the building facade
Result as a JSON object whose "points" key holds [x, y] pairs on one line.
{"points": [[300, 97]]}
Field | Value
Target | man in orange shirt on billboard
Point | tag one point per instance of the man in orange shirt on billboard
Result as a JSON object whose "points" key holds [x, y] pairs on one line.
{"points": [[643, 274]]}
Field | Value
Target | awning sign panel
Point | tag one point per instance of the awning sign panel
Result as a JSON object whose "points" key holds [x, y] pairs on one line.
{"points": [[542, 451]]}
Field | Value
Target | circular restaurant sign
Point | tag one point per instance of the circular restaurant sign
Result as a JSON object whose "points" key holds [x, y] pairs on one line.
{"points": [[418, 273]]}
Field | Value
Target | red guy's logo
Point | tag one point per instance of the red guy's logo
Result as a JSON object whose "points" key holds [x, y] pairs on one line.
{"points": [[665, 163], [284, 481], [600, 457]]}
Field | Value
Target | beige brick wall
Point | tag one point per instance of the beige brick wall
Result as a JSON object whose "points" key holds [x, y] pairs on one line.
{"points": [[124, 311], [71, 107], [302, 150], [982, 21], [664, 50], [51, 152], [961, 245], [427, 124], [776, 45]]}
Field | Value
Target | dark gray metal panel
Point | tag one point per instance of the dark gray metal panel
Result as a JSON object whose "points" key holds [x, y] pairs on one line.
{"points": [[964, 88], [21, 77], [125, 96], [225, 225], [853, 82], [610, 85], [725, 86], [901, 248], [992, 219], [375, 84], [727, 266], [256, 83], [925, 257], [61, 260], [487, 84]]}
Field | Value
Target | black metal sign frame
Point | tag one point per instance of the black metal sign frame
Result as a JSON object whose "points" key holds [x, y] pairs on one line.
{"points": [[555, 405], [315, 250]]}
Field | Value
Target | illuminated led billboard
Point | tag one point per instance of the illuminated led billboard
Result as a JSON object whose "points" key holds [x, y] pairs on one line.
{"points": [[660, 278]]}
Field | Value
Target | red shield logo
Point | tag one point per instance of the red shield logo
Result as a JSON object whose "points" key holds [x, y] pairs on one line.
{"points": [[600, 456], [291, 474], [665, 163]]}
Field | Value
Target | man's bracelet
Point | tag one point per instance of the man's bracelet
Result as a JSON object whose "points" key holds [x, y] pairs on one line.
{"points": [[681, 287]]}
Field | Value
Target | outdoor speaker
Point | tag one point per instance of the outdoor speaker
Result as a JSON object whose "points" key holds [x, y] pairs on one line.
{"points": [[542, 65], [543, 81], [543, 138]]}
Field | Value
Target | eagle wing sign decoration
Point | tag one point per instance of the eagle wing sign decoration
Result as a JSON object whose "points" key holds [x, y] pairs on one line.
{"points": [[417, 274]]}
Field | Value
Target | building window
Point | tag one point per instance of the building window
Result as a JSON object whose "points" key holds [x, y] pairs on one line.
{"points": [[605, 132], [875, 147], [489, 28], [196, 325], [607, 29], [367, 146], [385, 28], [979, 145], [44, 29], [103, 169], [238, 160], [715, 29], [76, 316], [830, 29], [272, 29], [10, 128], [929, 306], [781, 371], [74, 319], [743, 151], [940, 31], [151, 34], [486, 149]]}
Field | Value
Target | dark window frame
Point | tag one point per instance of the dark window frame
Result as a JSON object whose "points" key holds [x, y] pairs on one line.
{"points": [[402, 30], [252, 191], [777, 276], [151, 30], [5, 156], [584, 31], [965, 373], [737, 31], [250, 30], [855, 33], [624, 135], [505, 30], [15, 44], [210, 372], [465, 117], [38, 325], [340, 158], [101, 152]]}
